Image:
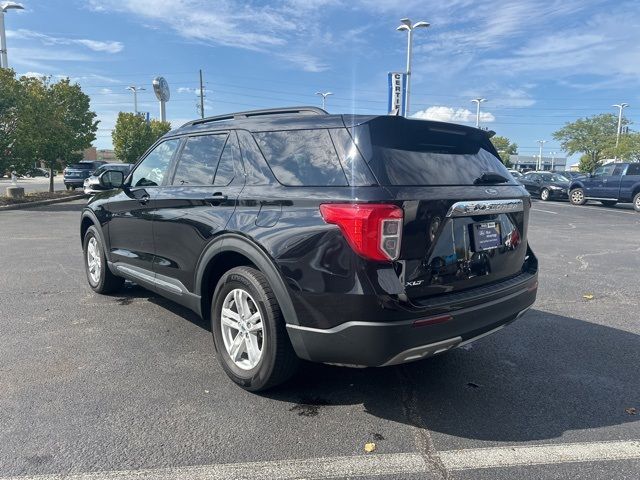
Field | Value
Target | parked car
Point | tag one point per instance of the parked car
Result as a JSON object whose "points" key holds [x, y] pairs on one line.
{"points": [[344, 239], [36, 172], [92, 185], [74, 174], [515, 174], [571, 175], [610, 184], [547, 186]]}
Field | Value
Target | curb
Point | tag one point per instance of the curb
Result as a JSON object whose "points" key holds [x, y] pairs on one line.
{"points": [[39, 203]]}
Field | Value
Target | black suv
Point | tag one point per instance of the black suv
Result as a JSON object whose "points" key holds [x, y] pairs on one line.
{"points": [[345, 239]]}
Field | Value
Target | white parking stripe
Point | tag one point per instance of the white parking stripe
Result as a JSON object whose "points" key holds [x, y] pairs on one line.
{"points": [[545, 211], [540, 454], [583, 207], [375, 464]]}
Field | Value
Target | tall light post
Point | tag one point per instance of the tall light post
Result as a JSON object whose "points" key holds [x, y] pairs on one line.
{"points": [[553, 159], [135, 91], [541, 143], [620, 107], [409, 28], [478, 101], [5, 6], [324, 96]]}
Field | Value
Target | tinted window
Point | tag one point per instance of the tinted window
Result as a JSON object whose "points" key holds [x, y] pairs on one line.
{"points": [[152, 170], [354, 166], [619, 169], [606, 170], [634, 169], [257, 171], [82, 166], [415, 152], [198, 160], [225, 172], [302, 157]]}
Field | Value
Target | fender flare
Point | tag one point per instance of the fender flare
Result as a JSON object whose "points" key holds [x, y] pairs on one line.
{"points": [[237, 243], [91, 215], [576, 185]]}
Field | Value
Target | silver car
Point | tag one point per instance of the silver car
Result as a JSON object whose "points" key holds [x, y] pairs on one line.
{"points": [[92, 185]]}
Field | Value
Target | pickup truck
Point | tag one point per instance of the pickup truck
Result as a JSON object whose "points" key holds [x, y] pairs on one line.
{"points": [[609, 184]]}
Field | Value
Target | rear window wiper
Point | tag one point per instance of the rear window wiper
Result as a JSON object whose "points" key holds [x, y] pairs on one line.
{"points": [[490, 177]]}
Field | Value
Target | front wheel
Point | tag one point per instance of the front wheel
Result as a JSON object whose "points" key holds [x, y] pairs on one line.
{"points": [[100, 278], [249, 331], [544, 194], [608, 203], [636, 202], [576, 196]]}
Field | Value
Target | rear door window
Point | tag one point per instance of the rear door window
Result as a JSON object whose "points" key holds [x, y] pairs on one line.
{"points": [[634, 169], [226, 167], [302, 157], [619, 169], [199, 159]]}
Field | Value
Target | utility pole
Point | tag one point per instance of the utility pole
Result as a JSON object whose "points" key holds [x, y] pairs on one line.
{"points": [[135, 91], [408, 26], [4, 6], [201, 96], [478, 101], [324, 98], [541, 142], [621, 107]]}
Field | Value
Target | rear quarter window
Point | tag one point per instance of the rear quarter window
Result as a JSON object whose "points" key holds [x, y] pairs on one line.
{"points": [[634, 169], [302, 157]]}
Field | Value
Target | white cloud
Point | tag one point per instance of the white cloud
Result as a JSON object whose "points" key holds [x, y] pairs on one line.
{"points": [[95, 45], [452, 115], [105, 91], [33, 74]]}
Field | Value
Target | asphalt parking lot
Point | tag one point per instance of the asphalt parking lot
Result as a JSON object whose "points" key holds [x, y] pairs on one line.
{"points": [[128, 385]]}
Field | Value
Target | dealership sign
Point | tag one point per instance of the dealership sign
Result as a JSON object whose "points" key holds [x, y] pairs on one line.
{"points": [[397, 86]]}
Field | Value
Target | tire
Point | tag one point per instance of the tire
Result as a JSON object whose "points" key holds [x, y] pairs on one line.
{"points": [[608, 203], [576, 197], [104, 281], [636, 202], [545, 194], [46, 175], [273, 360], [68, 187]]}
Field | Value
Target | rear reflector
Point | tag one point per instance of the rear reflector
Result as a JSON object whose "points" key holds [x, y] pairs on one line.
{"points": [[374, 231], [432, 320]]}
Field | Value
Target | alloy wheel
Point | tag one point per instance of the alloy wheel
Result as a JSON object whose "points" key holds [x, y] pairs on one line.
{"points": [[577, 196], [94, 260], [242, 329]]}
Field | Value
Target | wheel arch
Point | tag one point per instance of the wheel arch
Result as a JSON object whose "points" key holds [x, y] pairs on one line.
{"points": [[575, 185], [232, 250], [89, 219]]}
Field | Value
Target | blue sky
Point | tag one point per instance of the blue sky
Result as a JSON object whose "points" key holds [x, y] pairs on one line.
{"points": [[539, 63]]}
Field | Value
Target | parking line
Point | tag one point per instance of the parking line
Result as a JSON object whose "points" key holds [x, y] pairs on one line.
{"points": [[600, 209], [375, 464], [545, 211]]}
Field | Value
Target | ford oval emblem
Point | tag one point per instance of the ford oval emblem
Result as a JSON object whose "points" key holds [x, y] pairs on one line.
{"points": [[491, 191]]}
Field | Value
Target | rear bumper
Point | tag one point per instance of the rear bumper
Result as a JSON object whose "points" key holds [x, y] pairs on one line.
{"points": [[75, 182], [372, 344], [559, 193]]}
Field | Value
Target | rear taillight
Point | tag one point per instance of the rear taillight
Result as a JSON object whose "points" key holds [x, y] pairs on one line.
{"points": [[374, 231]]}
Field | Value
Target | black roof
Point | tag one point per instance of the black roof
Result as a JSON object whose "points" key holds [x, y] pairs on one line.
{"points": [[297, 118]]}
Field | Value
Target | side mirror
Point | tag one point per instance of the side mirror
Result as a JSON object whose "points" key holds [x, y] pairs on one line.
{"points": [[111, 179]]}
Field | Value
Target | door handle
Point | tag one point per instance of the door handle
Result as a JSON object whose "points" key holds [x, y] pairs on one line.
{"points": [[216, 198]]}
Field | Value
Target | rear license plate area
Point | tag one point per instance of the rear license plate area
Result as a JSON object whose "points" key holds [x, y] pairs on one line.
{"points": [[486, 236]]}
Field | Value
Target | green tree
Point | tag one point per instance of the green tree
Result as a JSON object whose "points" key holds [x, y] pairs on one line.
{"points": [[505, 148], [594, 137], [628, 148], [10, 94], [133, 135], [54, 123]]}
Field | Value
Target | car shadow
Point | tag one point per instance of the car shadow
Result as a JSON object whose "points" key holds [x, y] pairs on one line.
{"points": [[540, 377]]}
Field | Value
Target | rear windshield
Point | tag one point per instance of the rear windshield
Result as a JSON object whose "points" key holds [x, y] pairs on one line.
{"points": [[82, 166], [415, 152]]}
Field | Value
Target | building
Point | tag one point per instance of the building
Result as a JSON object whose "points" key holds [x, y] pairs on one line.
{"points": [[107, 156], [90, 153], [530, 162]]}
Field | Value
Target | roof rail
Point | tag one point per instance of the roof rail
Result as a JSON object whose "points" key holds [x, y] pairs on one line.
{"points": [[259, 113]]}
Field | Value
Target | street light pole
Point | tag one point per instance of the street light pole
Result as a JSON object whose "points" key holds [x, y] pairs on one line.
{"points": [[478, 101], [621, 107], [553, 159], [135, 91], [324, 97], [541, 142], [4, 6], [409, 28]]}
